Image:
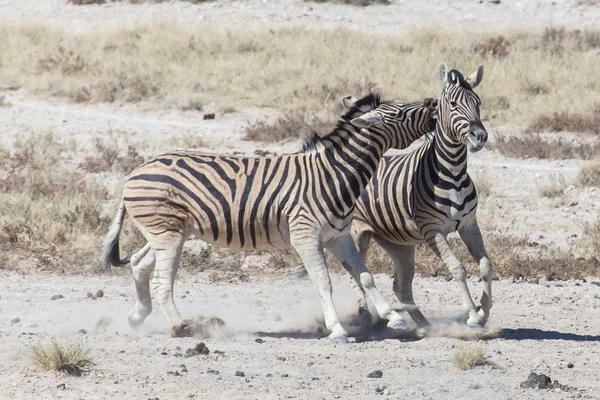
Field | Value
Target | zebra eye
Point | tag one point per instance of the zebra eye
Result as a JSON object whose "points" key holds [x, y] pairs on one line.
{"points": [[453, 104]]}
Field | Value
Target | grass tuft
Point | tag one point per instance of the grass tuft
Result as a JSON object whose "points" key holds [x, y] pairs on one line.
{"points": [[589, 175], [289, 127], [470, 357], [535, 146], [555, 188], [565, 121], [70, 358]]}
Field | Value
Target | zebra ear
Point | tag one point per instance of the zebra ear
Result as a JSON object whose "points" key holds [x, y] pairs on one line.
{"points": [[475, 79], [443, 73], [349, 101], [367, 120]]}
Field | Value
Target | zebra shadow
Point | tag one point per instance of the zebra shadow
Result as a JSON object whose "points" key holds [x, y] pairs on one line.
{"points": [[540, 334]]}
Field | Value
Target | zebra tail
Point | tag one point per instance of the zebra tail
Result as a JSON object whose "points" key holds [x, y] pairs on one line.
{"points": [[110, 248]]}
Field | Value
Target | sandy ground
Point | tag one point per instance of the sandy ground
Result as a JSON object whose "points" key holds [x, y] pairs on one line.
{"points": [[546, 325]]}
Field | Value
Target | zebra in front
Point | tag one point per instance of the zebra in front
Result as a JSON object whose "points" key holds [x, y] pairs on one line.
{"points": [[303, 200], [422, 196]]}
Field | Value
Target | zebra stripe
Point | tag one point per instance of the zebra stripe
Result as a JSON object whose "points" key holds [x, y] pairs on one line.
{"points": [[422, 196], [305, 200]]}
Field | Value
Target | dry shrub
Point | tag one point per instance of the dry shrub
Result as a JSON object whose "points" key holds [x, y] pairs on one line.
{"points": [[591, 231], [557, 40], [70, 358], [555, 188], [50, 213], [483, 185], [108, 158], [360, 3], [495, 46], [284, 69], [470, 357], [567, 122], [589, 175], [535, 146], [187, 141], [288, 127]]}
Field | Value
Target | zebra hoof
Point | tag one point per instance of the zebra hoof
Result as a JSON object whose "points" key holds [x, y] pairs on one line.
{"points": [[339, 338], [398, 325], [476, 326]]}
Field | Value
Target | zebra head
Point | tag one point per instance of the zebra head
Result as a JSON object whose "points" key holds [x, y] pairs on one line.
{"points": [[402, 122], [458, 109]]}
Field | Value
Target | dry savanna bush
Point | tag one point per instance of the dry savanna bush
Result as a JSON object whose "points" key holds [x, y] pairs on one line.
{"points": [[288, 127], [53, 213], [533, 145], [300, 69]]}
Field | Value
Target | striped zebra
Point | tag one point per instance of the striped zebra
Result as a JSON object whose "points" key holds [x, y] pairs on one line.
{"points": [[303, 200], [422, 196]]}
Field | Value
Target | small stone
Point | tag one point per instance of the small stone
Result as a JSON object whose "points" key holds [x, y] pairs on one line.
{"points": [[90, 295], [57, 296], [15, 320], [269, 375], [570, 365], [208, 116], [99, 293], [239, 373], [219, 352], [61, 386], [259, 340], [315, 378], [375, 374], [199, 349], [380, 389], [212, 371], [536, 381], [82, 332], [163, 353], [184, 370], [281, 358], [181, 365], [284, 375]]}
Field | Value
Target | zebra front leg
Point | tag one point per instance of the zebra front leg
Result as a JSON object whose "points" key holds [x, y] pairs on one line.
{"points": [[345, 251], [471, 235], [438, 243], [404, 273], [312, 256], [142, 265], [167, 249]]}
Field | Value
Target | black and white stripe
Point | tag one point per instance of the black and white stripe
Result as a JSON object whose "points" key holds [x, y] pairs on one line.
{"points": [[422, 196], [304, 200]]}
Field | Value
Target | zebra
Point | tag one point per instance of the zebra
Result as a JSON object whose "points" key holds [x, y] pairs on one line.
{"points": [[422, 196], [304, 200]]}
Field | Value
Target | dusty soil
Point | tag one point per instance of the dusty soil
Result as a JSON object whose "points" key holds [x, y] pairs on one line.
{"points": [[545, 326]]}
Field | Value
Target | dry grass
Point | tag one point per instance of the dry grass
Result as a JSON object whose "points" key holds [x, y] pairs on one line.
{"points": [[108, 157], [470, 357], [295, 69], [555, 188], [483, 185], [535, 146], [589, 175], [52, 213], [4, 102], [70, 358], [289, 127], [566, 122]]}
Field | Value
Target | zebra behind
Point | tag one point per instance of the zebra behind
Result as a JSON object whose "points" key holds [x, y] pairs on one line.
{"points": [[422, 196], [303, 200]]}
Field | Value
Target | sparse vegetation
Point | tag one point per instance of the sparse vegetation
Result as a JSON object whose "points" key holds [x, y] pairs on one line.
{"points": [[567, 122], [284, 69], [483, 185], [533, 145], [589, 175], [360, 3], [289, 127], [555, 188], [470, 357], [70, 358], [108, 158]]}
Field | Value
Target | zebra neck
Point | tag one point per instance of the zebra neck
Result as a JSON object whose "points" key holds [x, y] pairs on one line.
{"points": [[354, 155], [449, 157]]}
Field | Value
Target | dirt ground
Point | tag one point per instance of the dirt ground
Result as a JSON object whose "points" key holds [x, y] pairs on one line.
{"points": [[545, 326]]}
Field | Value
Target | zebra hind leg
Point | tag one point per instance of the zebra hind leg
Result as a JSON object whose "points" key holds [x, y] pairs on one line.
{"points": [[312, 256], [142, 265], [404, 273], [345, 251], [363, 240], [167, 249]]}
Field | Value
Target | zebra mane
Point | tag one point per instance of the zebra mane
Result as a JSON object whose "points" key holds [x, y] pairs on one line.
{"points": [[459, 79], [360, 107]]}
